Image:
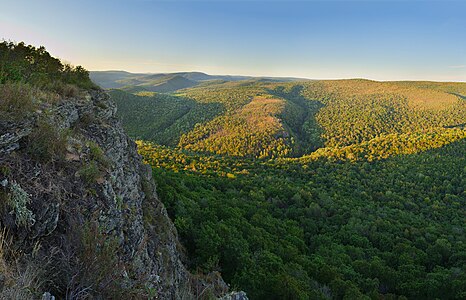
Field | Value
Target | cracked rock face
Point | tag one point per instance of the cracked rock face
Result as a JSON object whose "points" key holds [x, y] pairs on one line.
{"points": [[11, 134], [110, 188]]}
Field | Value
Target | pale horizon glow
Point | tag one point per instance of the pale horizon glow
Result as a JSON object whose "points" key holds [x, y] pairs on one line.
{"points": [[377, 40]]}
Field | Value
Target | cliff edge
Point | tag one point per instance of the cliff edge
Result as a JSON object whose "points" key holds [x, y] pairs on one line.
{"points": [[80, 216]]}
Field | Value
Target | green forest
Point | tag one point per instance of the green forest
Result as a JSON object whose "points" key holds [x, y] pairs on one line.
{"points": [[347, 189], [263, 119], [321, 229]]}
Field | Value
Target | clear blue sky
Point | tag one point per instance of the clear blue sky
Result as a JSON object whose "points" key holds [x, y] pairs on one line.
{"points": [[382, 40]]}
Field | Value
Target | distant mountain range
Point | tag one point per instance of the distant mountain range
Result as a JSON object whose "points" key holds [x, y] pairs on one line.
{"points": [[167, 82]]}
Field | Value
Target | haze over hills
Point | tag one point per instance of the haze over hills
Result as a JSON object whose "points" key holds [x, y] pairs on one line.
{"points": [[165, 82]]}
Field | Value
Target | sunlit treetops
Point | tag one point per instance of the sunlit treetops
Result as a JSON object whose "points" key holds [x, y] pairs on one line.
{"points": [[27, 64], [294, 118]]}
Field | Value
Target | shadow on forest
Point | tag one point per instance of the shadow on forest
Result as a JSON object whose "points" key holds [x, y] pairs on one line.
{"points": [[459, 96], [462, 126], [301, 120], [162, 118]]}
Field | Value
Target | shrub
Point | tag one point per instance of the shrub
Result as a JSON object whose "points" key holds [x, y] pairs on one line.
{"points": [[89, 172], [97, 154], [98, 266], [5, 170], [18, 201], [86, 120], [47, 143]]}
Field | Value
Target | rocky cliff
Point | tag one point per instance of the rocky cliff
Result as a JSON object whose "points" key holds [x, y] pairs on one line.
{"points": [[79, 213]]}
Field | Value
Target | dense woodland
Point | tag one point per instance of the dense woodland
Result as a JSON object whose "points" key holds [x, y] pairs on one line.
{"points": [[349, 189], [321, 229], [261, 119]]}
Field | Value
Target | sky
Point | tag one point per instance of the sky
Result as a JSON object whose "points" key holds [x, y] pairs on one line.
{"points": [[379, 40]]}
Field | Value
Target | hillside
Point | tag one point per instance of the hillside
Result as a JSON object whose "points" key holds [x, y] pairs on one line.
{"points": [[347, 189], [110, 79], [164, 84], [143, 117], [314, 114]]}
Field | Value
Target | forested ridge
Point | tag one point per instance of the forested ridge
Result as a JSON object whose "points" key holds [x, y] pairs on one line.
{"points": [[314, 114], [347, 189]]}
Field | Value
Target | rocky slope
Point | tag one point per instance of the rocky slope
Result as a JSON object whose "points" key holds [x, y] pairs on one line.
{"points": [[80, 214]]}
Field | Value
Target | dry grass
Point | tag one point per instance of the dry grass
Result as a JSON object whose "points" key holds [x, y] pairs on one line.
{"points": [[20, 281], [97, 270], [19, 100], [16, 101], [64, 89]]}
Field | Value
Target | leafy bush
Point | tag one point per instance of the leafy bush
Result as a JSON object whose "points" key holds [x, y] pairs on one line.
{"points": [[18, 201], [97, 154]]}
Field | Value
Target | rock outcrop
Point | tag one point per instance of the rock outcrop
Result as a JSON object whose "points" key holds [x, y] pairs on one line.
{"points": [[80, 209]]}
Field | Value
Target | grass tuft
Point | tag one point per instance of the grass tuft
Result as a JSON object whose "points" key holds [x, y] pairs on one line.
{"points": [[16, 101], [47, 143]]}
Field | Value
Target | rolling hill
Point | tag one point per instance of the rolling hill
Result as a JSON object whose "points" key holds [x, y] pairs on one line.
{"points": [[110, 79], [217, 117], [165, 82]]}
